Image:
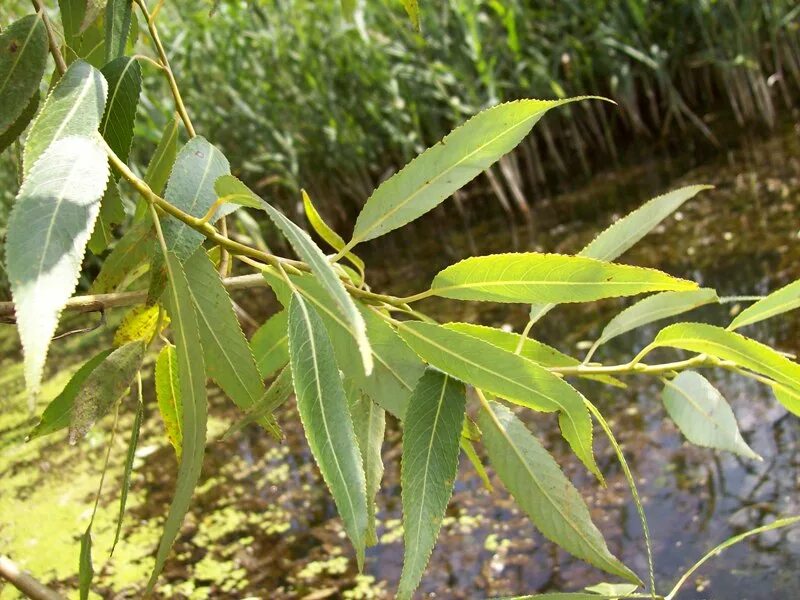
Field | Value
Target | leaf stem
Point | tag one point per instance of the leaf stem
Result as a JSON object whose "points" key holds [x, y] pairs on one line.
{"points": [[55, 51]]}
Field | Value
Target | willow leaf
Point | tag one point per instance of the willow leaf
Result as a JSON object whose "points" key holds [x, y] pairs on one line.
{"points": [[270, 344], [91, 13], [104, 386], [10, 135], [703, 415], [23, 58], [412, 9], [48, 230], [444, 168], [168, 396], [117, 27], [124, 77], [329, 281], [397, 367], [535, 277], [778, 302], [324, 231], [140, 323], [727, 345], [507, 375], [58, 413], [654, 308], [431, 437], [277, 393], [130, 252], [369, 424], [326, 418], [160, 165], [788, 397], [235, 193], [128, 468], [540, 488], [192, 385], [85, 567], [74, 107], [625, 233]]}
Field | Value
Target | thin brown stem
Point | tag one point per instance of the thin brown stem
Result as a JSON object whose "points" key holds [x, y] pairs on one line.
{"points": [[61, 64]]}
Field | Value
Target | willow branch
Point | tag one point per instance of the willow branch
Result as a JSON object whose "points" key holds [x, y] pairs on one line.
{"points": [[61, 64], [24, 582]]}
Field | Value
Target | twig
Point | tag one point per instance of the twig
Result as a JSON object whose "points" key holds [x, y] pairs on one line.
{"points": [[61, 64], [25, 582]]}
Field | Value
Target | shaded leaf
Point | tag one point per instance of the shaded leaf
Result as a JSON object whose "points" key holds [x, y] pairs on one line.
{"points": [[112, 212], [192, 386], [535, 277], [130, 252], [103, 387], [74, 107], [324, 231], [326, 418], [124, 77], [507, 375], [329, 281], [469, 449], [447, 166], [85, 567], [48, 229], [270, 344], [160, 165], [23, 58], [277, 393], [168, 396], [10, 135], [778, 302], [703, 415], [128, 468], [117, 27], [58, 413], [431, 434], [543, 492]]}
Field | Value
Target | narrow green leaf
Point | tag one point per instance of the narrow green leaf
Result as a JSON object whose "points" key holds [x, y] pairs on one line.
{"points": [[112, 212], [412, 8], [625, 233], [160, 165], [229, 361], [124, 77], [778, 302], [168, 396], [128, 469], [10, 135], [192, 385], [48, 229], [727, 345], [58, 413], [543, 492], [326, 233], [235, 193], [103, 387], [540, 353], [85, 567], [444, 168], [270, 344], [191, 188], [329, 280], [277, 393], [92, 11], [469, 449], [654, 308], [534, 277], [615, 590], [117, 27], [23, 58], [326, 418], [788, 397], [397, 367], [130, 252], [507, 375], [369, 424], [72, 13], [703, 415], [74, 107], [431, 436]]}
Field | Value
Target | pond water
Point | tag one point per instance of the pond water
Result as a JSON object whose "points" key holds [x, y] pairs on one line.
{"points": [[263, 526]]}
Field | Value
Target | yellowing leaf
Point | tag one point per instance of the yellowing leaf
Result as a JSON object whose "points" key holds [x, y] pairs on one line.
{"points": [[168, 395], [139, 323]]}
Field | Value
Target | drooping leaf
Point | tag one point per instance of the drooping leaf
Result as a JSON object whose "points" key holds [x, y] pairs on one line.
{"points": [[85, 567], [444, 168], [236, 193], [74, 107], [431, 437], [72, 13], [192, 386], [124, 77], [469, 449], [534, 350], [326, 233], [778, 302], [128, 469], [369, 424], [507, 375], [788, 397], [270, 344], [130, 252], [397, 367], [654, 308], [23, 57], [329, 281], [625, 233], [112, 212], [326, 418], [412, 8], [727, 345], [160, 165], [139, 323], [191, 188], [117, 27], [58, 413], [277, 393], [535, 277], [703, 415], [48, 229], [543, 492], [10, 135], [103, 387], [168, 396]]}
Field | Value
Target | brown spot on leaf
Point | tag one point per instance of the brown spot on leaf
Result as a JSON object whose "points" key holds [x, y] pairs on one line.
{"points": [[13, 46]]}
